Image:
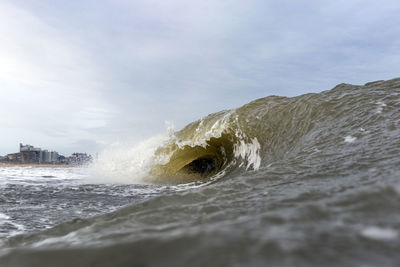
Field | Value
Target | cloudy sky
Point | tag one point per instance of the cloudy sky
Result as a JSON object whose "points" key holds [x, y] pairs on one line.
{"points": [[80, 75]]}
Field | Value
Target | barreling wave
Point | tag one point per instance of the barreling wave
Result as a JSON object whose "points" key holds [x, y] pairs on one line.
{"points": [[311, 180], [256, 134], [207, 148]]}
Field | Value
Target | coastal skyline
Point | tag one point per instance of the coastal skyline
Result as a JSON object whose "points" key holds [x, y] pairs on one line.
{"points": [[81, 76], [29, 154]]}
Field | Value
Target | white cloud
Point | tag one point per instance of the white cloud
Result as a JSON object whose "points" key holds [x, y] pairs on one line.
{"points": [[47, 82], [86, 72]]}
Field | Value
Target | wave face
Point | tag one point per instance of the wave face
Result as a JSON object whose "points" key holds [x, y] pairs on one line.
{"points": [[275, 128], [308, 180]]}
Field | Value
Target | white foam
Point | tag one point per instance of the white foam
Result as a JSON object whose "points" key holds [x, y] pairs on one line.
{"points": [[4, 217], [70, 238], [204, 132], [28, 175], [20, 228], [350, 139], [364, 130], [381, 105], [378, 233], [124, 164], [249, 152]]}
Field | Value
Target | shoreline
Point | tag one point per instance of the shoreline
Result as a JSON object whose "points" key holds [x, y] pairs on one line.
{"points": [[36, 165]]}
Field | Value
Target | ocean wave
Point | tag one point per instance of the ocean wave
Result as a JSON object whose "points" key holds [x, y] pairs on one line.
{"points": [[307, 180]]}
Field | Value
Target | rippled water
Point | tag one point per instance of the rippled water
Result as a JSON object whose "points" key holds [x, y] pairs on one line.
{"points": [[307, 181], [33, 199]]}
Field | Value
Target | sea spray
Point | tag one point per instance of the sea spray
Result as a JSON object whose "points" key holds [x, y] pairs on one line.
{"points": [[125, 164]]}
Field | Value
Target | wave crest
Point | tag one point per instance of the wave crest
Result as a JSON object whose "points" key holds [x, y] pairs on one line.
{"points": [[206, 149]]}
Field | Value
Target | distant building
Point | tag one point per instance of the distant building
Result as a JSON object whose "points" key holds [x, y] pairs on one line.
{"points": [[53, 157], [44, 156], [14, 158], [28, 148], [29, 153], [35, 155]]}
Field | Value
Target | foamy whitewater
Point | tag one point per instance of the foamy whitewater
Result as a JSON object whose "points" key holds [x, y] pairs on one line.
{"points": [[312, 180]]}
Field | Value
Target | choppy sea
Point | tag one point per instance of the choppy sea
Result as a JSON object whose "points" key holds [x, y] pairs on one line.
{"points": [[312, 180]]}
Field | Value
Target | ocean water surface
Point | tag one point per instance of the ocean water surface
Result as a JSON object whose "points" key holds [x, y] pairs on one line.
{"points": [[312, 180]]}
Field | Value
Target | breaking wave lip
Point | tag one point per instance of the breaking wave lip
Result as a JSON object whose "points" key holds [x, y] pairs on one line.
{"points": [[200, 153], [206, 151]]}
